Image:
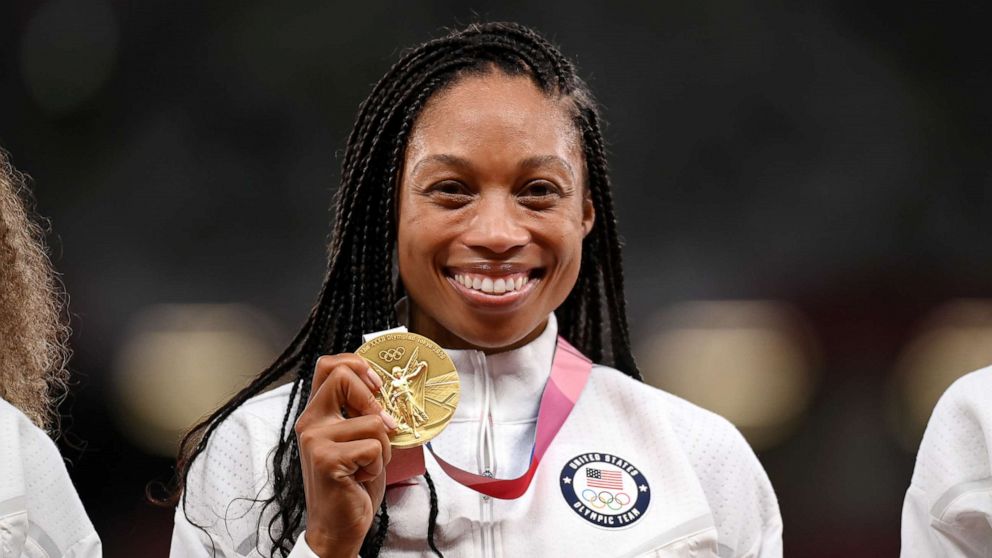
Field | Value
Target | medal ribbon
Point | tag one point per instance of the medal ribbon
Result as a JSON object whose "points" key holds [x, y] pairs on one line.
{"points": [[570, 371]]}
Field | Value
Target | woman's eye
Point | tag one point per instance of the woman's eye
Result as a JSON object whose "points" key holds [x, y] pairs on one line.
{"points": [[450, 193], [450, 187], [540, 191]]}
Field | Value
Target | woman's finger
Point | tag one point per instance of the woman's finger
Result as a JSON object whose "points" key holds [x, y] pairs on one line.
{"points": [[350, 430], [342, 390], [327, 363], [360, 460]]}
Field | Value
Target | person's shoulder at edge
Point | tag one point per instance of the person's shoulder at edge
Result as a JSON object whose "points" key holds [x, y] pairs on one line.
{"points": [[968, 398], [954, 447], [741, 497], [30, 453], [229, 480], [974, 387], [948, 504]]}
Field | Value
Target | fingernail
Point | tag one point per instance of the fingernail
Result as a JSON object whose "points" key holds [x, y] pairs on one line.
{"points": [[389, 420], [376, 380]]}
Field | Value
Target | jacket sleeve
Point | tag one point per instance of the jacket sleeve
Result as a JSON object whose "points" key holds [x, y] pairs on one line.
{"points": [[742, 501], [769, 545], [223, 514], [947, 512], [39, 506], [187, 540], [757, 500]]}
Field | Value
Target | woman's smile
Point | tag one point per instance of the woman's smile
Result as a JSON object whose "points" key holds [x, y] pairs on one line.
{"points": [[493, 286]]}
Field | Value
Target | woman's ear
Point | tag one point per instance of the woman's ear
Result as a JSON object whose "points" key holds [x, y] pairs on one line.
{"points": [[588, 215]]}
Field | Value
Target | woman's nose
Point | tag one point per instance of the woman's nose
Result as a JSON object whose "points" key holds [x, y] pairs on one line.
{"points": [[496, 227]]}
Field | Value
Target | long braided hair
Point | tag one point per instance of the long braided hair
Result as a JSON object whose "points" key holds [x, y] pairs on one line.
{"points": [[358, 293]]}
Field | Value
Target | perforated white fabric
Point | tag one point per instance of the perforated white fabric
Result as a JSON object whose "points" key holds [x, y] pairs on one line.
{"points": [[710, 496], [948, 508], [40, 512]]}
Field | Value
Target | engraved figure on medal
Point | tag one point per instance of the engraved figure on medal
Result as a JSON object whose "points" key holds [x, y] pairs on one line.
{"points": [[401, 395], [422, 393]]}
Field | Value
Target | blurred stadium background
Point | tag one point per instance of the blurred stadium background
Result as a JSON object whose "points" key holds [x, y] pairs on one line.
{"points": [[803, 189]]}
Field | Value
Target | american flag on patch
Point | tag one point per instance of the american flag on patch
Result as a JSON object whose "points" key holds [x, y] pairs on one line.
{"points": [[601, 478]]}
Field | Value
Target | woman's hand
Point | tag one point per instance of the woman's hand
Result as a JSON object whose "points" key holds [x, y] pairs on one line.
{"points": [[343, 459]]}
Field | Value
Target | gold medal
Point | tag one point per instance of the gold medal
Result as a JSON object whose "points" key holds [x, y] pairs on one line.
{"points": [[419, 385]]}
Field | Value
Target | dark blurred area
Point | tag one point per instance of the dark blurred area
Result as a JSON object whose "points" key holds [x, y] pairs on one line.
{"points": [[803, 189]]}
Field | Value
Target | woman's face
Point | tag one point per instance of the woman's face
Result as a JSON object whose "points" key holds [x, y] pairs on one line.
{"points": [[492, 213]]}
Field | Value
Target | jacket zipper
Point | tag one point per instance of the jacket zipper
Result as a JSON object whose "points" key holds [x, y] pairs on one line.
{"points": [[487, 463]]}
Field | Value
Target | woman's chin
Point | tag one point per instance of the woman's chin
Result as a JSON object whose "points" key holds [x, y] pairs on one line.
{"points": [[454, 324], [493, 337]]}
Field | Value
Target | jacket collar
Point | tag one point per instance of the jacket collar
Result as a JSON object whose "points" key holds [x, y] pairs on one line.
{"points": [[512, 381], [508, 384]]}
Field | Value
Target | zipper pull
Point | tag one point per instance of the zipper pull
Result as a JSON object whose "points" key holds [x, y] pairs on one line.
{"points": [[488, 474]]}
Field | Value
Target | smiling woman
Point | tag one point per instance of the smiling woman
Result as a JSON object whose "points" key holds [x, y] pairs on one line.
{"points": [[476, 167]]}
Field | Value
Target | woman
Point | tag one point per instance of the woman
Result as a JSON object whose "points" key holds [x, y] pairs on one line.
{"points": [[478, 161], [39, 508], [948, 507]]}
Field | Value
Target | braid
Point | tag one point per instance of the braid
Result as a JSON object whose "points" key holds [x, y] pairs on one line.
{"points": [[360, 288], [612, 267], [432, 517]]}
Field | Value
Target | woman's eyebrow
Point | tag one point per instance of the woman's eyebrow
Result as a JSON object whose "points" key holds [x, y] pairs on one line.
{"points": [[535, 162], [443, 159], [546, 160]]}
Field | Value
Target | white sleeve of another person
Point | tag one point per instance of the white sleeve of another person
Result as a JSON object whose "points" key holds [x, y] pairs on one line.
{"points": [[948, 508], [40, 512]]}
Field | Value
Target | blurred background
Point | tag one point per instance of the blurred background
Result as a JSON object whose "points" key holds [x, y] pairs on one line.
{"points": [[803, 189]]}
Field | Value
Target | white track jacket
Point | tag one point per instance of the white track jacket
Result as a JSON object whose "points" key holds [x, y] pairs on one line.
{"points": [[948, 508], [40, 513], [634, 471]]}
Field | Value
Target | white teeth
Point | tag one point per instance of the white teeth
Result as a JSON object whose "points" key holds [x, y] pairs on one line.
{"points": [[491, 286]]}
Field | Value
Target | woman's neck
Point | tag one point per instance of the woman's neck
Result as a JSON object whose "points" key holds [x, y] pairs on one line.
{"points": [[422, 324]]}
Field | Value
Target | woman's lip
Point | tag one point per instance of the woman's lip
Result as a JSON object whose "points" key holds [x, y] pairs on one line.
{"points": [[493, 270], [493, 301]]}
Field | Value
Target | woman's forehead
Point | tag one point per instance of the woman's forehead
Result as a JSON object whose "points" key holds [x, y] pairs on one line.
{"points": [[494, 111]]}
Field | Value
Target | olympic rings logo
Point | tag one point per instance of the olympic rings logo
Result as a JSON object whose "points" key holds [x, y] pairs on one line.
{"points": [[605, 499], [392, 354]]}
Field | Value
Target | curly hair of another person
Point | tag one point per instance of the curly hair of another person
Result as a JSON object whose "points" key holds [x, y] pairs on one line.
{"points": [[34, 333]]}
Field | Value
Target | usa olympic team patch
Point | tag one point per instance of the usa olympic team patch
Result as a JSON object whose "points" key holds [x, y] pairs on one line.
{"points": [[605, 490]]}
